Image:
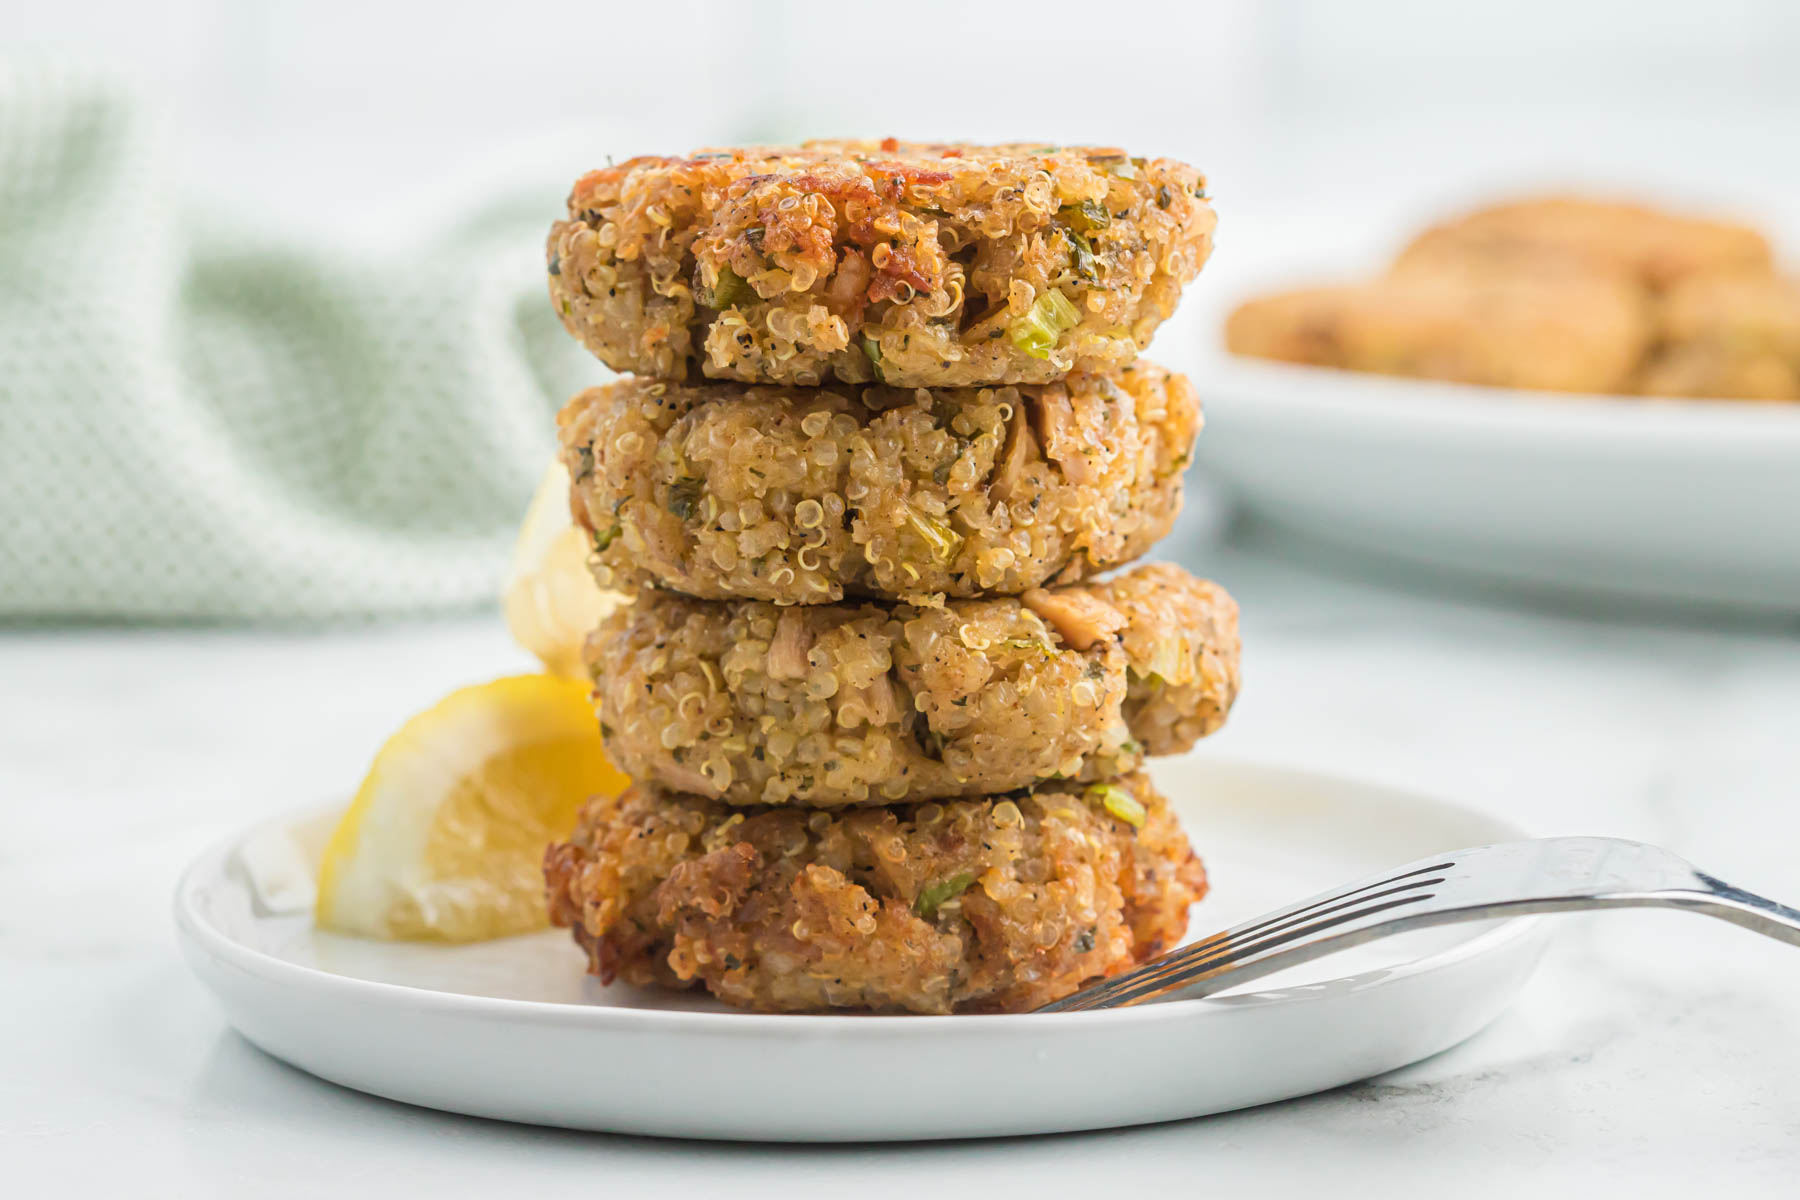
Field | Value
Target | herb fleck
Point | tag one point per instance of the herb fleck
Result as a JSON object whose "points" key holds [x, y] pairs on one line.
{"points": [[1087, 216], [934, 895], [1082, 252], [684, 497], [731, 290], [929, 740], [1120, 803]]}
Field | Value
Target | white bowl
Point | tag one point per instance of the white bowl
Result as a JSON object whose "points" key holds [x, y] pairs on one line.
{"points": [[1605, 496]]}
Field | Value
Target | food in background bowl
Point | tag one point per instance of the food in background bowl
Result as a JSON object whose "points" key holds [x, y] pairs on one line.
{"points": [[1650, 247], [1568, 332], [1558, 294], [1729, 335]]}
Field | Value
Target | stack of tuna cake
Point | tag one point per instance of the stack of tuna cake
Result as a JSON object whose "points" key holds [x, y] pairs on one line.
{"points": [[885, 427]]}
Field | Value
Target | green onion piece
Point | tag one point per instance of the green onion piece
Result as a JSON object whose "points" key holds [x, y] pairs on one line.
{"points": [[731, 290], [1037, 331], [604, 537], [1036, 644], [943, 540], [935, 894], [1118, 165], [584, 463], [1120, 803], [1083, 253], [684, 497], [872, 348], [1087, 216]]}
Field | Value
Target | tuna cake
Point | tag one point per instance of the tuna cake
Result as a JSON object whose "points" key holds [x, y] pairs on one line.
{"points": [[1730, 335], [1556, 330], [997, 904], [828, 705], [918, 265], [801, 495], [1649, 247]]}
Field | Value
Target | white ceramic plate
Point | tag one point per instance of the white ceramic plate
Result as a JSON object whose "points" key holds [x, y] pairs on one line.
{"points": [[1685, 501], [514, 1030]]}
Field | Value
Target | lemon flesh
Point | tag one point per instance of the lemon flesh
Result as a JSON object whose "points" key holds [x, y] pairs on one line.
{"points": [[445, 839], [551, 601]]}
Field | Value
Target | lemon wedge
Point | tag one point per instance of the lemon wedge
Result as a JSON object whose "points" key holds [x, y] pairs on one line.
{"points": [[551, 601], [445, 839]]}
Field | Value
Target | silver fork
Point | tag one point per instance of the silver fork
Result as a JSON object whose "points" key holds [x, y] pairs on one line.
{"points": [[1505, 880]]}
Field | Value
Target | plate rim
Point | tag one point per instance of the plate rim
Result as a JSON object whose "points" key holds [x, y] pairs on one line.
{"points": [[1769, 428], [200, 935]]}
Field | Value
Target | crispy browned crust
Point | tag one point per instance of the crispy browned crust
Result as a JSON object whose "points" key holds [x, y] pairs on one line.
{"points": [[1734, 336], [863, 261], [998, 904], [1554, 331], [804, 495], [1556, 294], [830, 705], [1649, 247]]}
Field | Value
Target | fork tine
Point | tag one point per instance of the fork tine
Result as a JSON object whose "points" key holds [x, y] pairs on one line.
{"points": [[1134, 986], [1211, 949], [1233, 945], [1214, 955], [1264, 930], [1231, 942], [1314, 902]]}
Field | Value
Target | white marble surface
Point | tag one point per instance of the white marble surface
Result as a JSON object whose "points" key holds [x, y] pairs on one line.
{"points": [[1653, 1053]]}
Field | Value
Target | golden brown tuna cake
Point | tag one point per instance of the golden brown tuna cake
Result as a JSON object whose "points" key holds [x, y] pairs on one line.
{"points": [[836, 704], [1728, 336], [998, 904], [804, 495], [914, 264], [1650, 247], [1568, 331]]}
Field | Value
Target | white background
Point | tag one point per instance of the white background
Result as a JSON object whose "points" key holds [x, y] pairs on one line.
{"points": [[1653, 1055], [1327, 129]]}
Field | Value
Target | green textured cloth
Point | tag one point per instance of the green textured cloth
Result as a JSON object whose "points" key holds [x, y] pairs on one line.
{"points": [[197, 424]]}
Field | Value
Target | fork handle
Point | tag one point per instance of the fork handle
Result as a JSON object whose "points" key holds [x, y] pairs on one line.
{"points": [[1753, 912]]}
